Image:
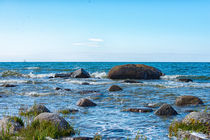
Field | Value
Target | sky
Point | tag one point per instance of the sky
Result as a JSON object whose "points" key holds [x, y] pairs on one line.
{"points": [[105, 30]]}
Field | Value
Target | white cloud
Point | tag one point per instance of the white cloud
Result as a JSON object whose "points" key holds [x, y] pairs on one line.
{"points": [[92, 42], [96, 39]]}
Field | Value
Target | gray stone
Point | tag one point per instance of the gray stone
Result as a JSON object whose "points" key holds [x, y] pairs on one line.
{"points": [[188, 100], [53, 118], [166, 110], [202, 117], [37, 109], [80, 73], [9, 122]]}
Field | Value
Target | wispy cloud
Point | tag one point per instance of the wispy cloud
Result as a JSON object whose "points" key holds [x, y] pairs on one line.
{"points": [[96, 39], [92, 42]]}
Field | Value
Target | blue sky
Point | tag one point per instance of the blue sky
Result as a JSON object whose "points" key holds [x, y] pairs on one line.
{"points": [[105, 30]]}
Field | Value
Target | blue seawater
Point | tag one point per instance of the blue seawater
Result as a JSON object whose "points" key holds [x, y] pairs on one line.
{"points": [[107, 118]]}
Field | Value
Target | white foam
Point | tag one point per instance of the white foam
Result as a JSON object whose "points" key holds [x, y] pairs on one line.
{"points": [[170, 77], [99, 75], [40, 75], [13, 81], [32, 68], [35, 94]]}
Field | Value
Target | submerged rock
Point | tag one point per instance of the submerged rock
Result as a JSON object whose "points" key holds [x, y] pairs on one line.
{"points": [[131, 81], [79, 138], [87, 91], [57, 88], [166, 110], [185, 80], [14, 124], [188, 100], [142, 110], [53, 118], [134, 71], [37, 109], [115, 88], [85, 83], [85, 103], [80, 73], [8, 85]]}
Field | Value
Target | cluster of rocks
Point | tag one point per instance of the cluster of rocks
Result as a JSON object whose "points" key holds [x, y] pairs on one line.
{"points": [[80, 73]]}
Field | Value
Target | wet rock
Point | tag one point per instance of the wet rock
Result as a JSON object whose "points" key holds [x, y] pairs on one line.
{"points": [[80, 73], [8, 85], [131, 81], [142, 110], [67, 89], [153, 105], [202, 117], [166, 110], [85, 103], [187, 135], [115, 88], [87, 91], [85, 83], [134, 71], [13, 123], [37, 109], [62, 75], [185, 80], [188, 100], [57, 88], [53, 118]]}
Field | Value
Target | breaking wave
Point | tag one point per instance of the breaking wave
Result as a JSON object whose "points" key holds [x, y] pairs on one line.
{"points": [[99, 75]]}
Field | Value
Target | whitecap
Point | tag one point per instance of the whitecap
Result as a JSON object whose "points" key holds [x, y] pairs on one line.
{"points": [[40, 75], [32, 68], [99, 75], [36, 94]]}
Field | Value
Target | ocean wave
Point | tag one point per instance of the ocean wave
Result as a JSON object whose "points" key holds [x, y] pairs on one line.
{"points": [[13, 81], [99, 75], [31, 75], [37, 94], [175, 77], [32, 68]]}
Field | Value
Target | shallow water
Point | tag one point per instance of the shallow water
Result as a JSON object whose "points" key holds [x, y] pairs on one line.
{"points": [[106, 119]]}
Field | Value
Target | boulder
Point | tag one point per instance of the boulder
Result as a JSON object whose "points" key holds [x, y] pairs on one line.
{"points": [[13, 123], [188, 100], [134, 71], [131, 81], [166, 110], [202, 117], [85, 103], [115, 88], [37, 109], [53, 118], [185, 80], [85, 83], [80, 73], [142, 110], [57, 88]]}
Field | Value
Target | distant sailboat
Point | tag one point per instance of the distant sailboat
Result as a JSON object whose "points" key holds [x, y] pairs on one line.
{"points": [[24, 60]]}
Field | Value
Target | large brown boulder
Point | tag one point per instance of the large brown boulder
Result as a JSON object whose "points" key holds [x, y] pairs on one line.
{"points": [[85, 103], [134, 71], [188, 100], [115, 88]]}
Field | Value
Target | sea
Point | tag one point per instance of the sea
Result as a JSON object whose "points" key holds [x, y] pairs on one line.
{"points": [[107, 119]]}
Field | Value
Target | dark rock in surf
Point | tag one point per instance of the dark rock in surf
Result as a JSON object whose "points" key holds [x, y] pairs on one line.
{"points": [[67, 89], [134, 71], [81, 138], [115, 88], [85, 103], [80, 73], [166, 110], [62, 75], [141, 110], [185, 80], [87, 91], [57, 88], [85, 83], [131, 81], [188, 100], [8, 85]]}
